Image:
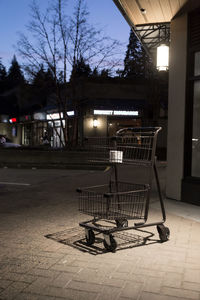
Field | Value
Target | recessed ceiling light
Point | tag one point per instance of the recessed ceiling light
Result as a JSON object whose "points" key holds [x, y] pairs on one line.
{"points": [[143, 10]]}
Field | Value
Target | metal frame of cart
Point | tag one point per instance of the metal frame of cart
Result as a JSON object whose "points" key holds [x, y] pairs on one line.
{"points": [[119, 202]]}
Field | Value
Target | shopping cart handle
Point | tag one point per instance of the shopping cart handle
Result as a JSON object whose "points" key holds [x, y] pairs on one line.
{"points": [[138, 129], [139, 224]]}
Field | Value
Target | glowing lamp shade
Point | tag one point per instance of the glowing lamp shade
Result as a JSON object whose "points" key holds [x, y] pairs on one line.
{"points": [[95, 123], [162, 58]]}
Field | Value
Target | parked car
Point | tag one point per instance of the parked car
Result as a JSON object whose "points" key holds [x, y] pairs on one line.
{"points": [[7, 143]]}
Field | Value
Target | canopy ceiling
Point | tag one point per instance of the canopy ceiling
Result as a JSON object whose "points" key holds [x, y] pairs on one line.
{"points": [[150, 19], [157, 11]]}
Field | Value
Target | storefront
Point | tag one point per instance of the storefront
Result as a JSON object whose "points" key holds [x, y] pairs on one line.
{"points": [[106, 122], [191, 178], [183, 150]]}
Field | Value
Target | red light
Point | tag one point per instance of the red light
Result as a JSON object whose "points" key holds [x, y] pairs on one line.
{"points": [[13, 120]]}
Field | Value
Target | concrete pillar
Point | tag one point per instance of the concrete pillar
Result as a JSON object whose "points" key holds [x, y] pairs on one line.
{"points": [[176, 110]]}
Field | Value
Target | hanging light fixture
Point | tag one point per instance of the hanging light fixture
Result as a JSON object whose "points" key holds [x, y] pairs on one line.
{"points": [[95, 123], [162, 58]]}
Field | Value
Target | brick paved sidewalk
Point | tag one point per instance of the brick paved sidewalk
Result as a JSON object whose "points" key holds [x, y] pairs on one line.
{"points": [[43, 254]]}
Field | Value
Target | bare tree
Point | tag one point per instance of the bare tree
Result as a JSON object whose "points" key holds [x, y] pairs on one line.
{"points": [[58, 42]]}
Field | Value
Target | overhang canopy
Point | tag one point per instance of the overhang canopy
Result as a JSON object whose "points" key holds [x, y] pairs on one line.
{"points": [[150, 19]]}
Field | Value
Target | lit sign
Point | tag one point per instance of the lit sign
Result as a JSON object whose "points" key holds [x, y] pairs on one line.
{"points": [[116, 112], [70, 113], [39, 116], [103, 112], [125, 113], [57, 116], [54, 116]]}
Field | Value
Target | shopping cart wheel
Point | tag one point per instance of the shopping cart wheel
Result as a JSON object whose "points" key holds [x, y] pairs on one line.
{"points": [[121, 222], [89, 236], [110, 244], [163, 232]]}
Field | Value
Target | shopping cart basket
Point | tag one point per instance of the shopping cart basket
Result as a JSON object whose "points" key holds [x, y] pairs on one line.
{"points": [[129, 146], [121, 201]]}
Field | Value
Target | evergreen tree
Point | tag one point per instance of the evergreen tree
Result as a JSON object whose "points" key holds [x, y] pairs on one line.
{"points": [[137, 63], [15, 76], [105, 73], [43, 85], [3, 76], [3, 73], [39, 77], [81, 69], [95, 73]]}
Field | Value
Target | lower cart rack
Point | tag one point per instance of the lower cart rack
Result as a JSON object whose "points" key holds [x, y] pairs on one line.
{"points": [[115, 203]]}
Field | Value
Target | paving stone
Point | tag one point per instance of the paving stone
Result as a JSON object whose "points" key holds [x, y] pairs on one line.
{"points": [[131, 290], [173, 280], [192, 275], [5, 283], [148, 272], [9, 293], [109, 293], [33, 267], [115, 282], [25, 296], [51, 254], [43, 273], [48, 298], [69, 293], [66, 268], [38, 285], [84, 286], [122, 276], [125, 268], [62, 280], [191, 286], [46, 262], [193, 266], [180, 293], [152, 284], [19, 285], [173, 267], [153, 296], [72, 261]]}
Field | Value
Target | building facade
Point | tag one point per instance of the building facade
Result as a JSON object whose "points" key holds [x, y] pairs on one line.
{"points": [[183, 142], [105, 106]]}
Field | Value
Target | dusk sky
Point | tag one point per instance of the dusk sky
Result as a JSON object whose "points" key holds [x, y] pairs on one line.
{"points": [[15, 15]]}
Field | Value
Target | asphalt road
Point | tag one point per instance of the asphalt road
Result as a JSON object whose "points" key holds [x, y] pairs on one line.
{"points": [[22, 187]]}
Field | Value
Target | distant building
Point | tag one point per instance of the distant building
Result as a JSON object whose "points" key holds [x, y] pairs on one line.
{"points": [[105, 106]]}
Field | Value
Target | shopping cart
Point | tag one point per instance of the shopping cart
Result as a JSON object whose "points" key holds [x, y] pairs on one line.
{"points": [[113, 205]]}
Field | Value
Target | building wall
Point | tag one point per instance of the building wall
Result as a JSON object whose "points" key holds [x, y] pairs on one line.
{"points": [[176, 106], [112, 88]]}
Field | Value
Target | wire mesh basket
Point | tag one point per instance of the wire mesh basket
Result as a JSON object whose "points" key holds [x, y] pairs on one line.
{"points": [[98, 148], [114, 200], [129, 146], [121, 201]]}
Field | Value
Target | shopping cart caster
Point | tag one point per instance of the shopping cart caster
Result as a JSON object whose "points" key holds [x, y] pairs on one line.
{"points": [[121, 222], [163, 232], [89, 236], [109, 243]]}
